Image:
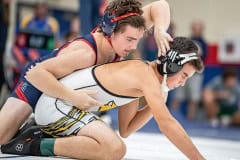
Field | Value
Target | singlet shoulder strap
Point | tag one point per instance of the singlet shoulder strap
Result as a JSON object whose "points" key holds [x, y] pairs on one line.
{"points": [[91, 42], [89, 39]]}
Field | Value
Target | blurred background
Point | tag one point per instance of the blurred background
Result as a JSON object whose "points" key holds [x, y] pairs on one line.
{"points": [[205, 106]]}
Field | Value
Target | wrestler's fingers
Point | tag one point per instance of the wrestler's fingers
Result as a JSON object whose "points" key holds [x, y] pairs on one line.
{"points": [[161, 49], [169, 38], [166, 44], [94, 102], [162, 40]]}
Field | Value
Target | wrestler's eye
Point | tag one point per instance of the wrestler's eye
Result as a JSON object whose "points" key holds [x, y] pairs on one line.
{"points": [[129, 40], [184, 76]]}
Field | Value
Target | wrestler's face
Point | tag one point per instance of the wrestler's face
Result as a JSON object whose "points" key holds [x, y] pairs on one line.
{"points": [[126, 40], [180, 78]]}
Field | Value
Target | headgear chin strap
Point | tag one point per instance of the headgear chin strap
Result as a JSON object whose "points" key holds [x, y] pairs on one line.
{"points": [[164, 84], [109, 21], [173, 62]]}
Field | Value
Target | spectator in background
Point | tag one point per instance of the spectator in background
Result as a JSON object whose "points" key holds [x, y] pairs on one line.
{"points": [[192, 90], [221, 99], [41, 22], [197, 31], [90, 14], [74, 31], [4, 22]]}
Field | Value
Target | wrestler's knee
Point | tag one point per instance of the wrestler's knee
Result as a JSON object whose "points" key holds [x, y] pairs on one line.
{"points": [[116, 150], [4, 130], [120, 150], [12, 116], [4, 135], [3, 140]]}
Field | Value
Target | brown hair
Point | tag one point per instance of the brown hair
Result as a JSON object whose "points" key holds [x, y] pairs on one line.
{"points": [[121, 7], [229, 72]]}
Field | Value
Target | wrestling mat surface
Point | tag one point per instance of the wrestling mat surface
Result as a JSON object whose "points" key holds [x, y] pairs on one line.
{"points": [[149, 146]]}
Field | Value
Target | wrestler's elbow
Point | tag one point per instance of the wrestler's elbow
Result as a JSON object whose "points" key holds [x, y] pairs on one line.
{"points": [[124, 133]]}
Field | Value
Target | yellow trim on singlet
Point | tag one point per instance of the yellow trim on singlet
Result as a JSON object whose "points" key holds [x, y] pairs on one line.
{"points": [[62, 124]]}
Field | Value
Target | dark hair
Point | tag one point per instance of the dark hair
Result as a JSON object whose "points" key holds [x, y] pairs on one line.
{"points": [[229, 72], [185, 45], [41, 4], [121, 7]]}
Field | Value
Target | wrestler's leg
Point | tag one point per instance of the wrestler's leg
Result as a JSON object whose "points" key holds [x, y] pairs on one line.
{"points": [[12, 115], [94, 141]]}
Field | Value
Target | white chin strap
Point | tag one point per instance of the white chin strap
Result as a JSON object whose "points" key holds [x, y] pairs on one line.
{"points": [[164, 84]]}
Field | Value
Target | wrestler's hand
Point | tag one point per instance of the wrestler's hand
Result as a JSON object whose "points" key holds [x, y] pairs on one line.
{"points": [[82, 99], [162, 39]]}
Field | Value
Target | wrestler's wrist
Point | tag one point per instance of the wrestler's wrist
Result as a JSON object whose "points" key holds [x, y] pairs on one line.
{"points": [[160, 29], [69, 94]]}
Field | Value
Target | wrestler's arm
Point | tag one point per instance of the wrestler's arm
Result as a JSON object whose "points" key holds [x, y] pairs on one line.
{"points": [[166, 122], [45, 74], [157, 14], [131, 118]]}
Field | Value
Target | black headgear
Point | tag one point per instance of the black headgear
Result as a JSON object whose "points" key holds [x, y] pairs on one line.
{"points": [[173, 62], [109, 21]]}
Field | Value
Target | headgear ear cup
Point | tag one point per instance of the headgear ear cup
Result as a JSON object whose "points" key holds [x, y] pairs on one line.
{"points": [[173, 68], [172, 64], [109, 21], [167, 64], [107, 25]]}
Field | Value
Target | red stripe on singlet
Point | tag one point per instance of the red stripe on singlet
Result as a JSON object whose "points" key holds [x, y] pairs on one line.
{"points": [[20, 94]]}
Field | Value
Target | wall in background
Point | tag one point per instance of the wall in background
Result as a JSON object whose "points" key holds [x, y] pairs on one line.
{"points": [[221, 17]]}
